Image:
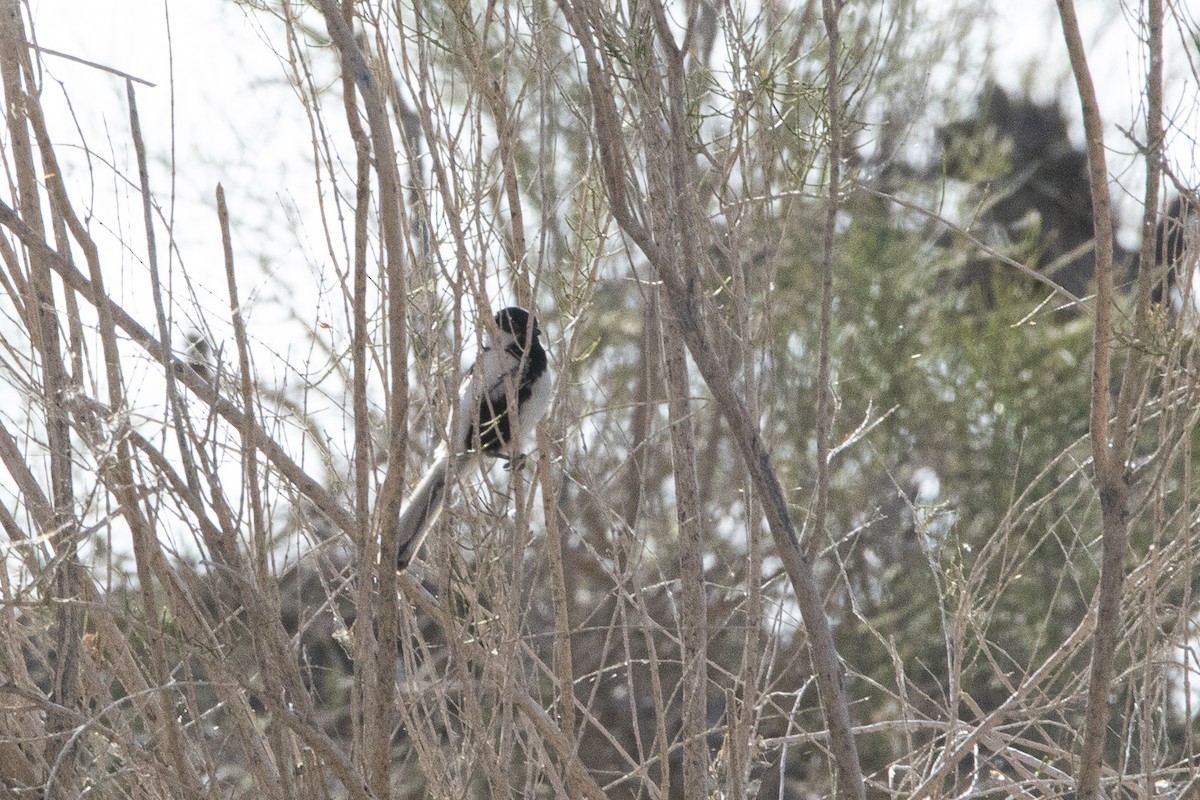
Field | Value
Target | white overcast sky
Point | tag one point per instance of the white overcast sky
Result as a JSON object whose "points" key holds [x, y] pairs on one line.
{"points": [[237, 122]]}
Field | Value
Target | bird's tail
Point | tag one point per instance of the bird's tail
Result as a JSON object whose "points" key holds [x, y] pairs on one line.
{"points": [[422, 508]]}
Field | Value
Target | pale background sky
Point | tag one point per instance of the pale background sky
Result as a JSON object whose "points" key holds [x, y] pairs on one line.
{"points": [[237, 123]]}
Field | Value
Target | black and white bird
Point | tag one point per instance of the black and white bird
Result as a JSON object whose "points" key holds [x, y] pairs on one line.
{"points": [[504, 396]]}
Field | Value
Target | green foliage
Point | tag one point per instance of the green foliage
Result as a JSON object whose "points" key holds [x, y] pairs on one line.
{"points": [[972, 392]]}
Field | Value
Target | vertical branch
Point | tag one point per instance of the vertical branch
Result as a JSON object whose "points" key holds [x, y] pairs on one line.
{"points": [[1108, 460], [63, 531], [1107, 472], [556, 531], [652, 382], [1153, 155], [849, 784], [1137, 365], [364, 696], [164, 330], [145, 542], [387, 172], [258, 537], [387, 508], [632, 485], [673, 207], [742, 706], [833, 91], [689, 514], [147, 556]]}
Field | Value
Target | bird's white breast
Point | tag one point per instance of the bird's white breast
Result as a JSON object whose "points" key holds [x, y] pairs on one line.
{"points": [[538, 403]]}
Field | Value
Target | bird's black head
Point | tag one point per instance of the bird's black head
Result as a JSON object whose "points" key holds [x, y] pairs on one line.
{"points": [[516, 321]]}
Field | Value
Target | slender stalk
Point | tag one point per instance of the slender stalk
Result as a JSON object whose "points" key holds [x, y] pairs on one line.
{"points": [[672, 202], [849, 779], [144, 539], [364, 699], [1108, 461], [259, 537], [689, 517], [824, 391], [63, 530], [387, 509]]}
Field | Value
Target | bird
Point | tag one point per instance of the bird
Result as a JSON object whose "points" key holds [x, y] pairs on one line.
{"points": [[512, 368]]}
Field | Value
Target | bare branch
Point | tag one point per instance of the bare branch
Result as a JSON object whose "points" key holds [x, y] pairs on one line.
{"points": [[1108, 456]]}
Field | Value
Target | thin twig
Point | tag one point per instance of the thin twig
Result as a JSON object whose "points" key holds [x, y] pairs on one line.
{"points": [[93, 64], [1108, 462], [849, 780], [984, 248]]}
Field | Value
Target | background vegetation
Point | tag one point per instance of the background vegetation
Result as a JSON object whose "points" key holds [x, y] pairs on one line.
{"points": [[838, 494]]}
